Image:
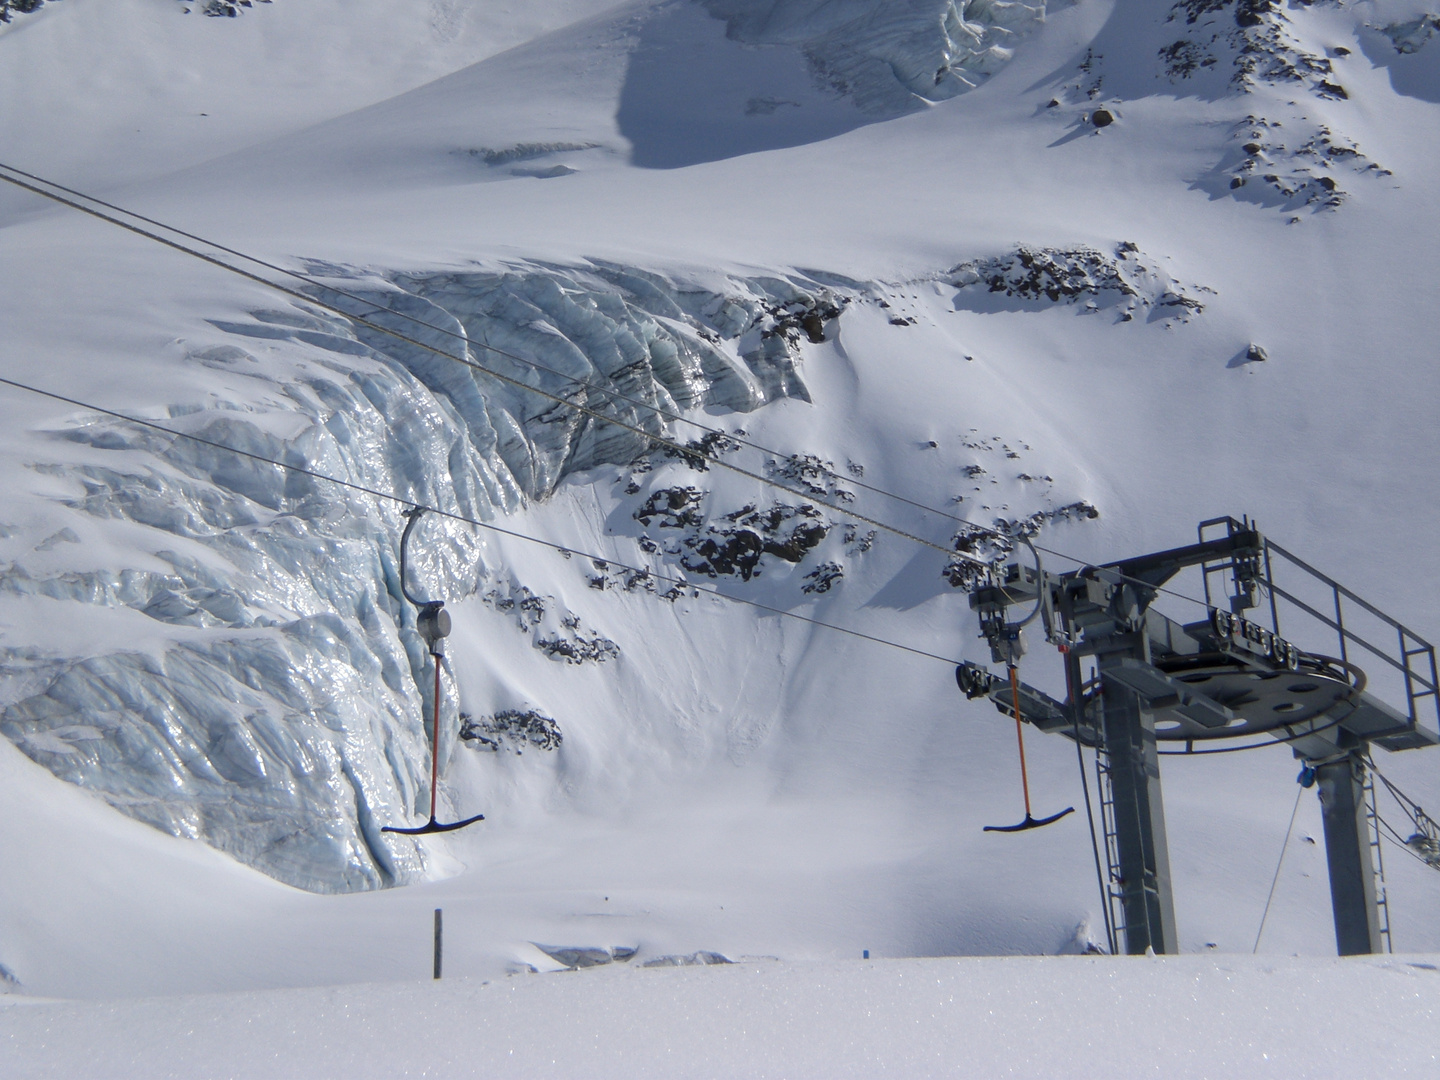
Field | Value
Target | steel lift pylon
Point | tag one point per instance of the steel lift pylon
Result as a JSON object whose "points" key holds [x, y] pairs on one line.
{"points": [[1203, 685]]}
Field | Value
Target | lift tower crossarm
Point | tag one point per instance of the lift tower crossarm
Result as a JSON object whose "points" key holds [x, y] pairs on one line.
{"points": [[1155, 570], [1223, 678]]}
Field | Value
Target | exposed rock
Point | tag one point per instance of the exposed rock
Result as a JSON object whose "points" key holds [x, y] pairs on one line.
{"points": [[9, 8], [585, 956], [822, 578], [1289, 169], [1124, 281], [511, 729], [555, 631], [810, 474], [694, 959], [699, 453], [1248, 39], [983, 549]]}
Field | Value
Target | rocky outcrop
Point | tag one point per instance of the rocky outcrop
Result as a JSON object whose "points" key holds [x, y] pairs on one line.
{"points": [[1125, 282]]}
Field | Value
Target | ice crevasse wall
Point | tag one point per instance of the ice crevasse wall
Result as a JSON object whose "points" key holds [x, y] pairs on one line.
{"points": [[888, 55], [262, 685], [280, 718]]}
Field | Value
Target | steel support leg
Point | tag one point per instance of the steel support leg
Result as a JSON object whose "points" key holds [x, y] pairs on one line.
{"points": [[1139, 823], [1347, 850]]}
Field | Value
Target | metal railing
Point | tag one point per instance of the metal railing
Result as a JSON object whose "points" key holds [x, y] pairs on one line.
{"points": [[1377, 856], [1413, 659]]}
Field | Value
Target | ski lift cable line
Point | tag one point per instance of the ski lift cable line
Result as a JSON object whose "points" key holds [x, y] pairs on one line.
{"points": [[559, 399], [1399, 841], [563, 549], [599, 388], [686, 451], [1409, 805]]}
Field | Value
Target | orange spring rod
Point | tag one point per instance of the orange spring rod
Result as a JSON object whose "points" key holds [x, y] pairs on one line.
{"points": [[435, 744], [1019, 736]]}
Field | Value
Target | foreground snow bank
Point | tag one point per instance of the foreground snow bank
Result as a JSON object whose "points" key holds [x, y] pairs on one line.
{"points": [[1045, 1017]]}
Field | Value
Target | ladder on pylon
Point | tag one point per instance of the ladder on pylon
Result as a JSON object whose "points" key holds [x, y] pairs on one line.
{"points": [[1377, 860], [1114, 882]]}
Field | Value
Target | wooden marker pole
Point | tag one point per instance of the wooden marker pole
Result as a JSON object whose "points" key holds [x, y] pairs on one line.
{"points": [[438, 928]]}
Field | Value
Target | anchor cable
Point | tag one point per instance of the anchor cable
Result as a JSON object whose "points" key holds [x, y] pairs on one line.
{"points": [[1275, 880]]}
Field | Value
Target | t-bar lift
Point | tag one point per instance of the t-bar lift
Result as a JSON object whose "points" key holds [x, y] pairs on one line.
{"points": [[433, 623], [1224, 678]]}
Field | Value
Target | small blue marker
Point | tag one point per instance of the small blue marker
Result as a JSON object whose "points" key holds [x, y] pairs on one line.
{"points": [[867, 954]]}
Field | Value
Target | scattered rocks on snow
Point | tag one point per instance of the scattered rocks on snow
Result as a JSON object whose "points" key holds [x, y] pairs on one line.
{"points": [[856, 542], [983, 549], [786, 532], [734, 544], [810, 474], [699, 453], [225, 8], [822, 578], [1248, 41], [512, 730], [556, 632], [519, 152], [1256, 352], [1260, 167], [1125, 281]]}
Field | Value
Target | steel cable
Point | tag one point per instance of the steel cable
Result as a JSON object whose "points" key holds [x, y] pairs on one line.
{"points": [[599, 560], [683, 451]]}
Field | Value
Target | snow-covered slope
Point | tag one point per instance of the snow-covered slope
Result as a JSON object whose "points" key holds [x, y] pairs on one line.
{"points": [[1053, 1016], [1013, 313]]}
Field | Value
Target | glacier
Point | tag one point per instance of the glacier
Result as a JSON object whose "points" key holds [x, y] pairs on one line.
{"points": [[289, 738]]}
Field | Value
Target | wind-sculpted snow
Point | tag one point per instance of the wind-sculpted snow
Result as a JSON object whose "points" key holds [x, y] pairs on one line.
{"points": [[280, 719], [887, 54]]}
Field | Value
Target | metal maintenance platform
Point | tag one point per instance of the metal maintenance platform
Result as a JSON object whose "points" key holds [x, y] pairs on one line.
{"points": [[1211, 684]]}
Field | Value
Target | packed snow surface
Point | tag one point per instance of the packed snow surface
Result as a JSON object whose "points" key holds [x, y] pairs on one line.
{"points": [[1070, 1017], [1103, 268]]}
